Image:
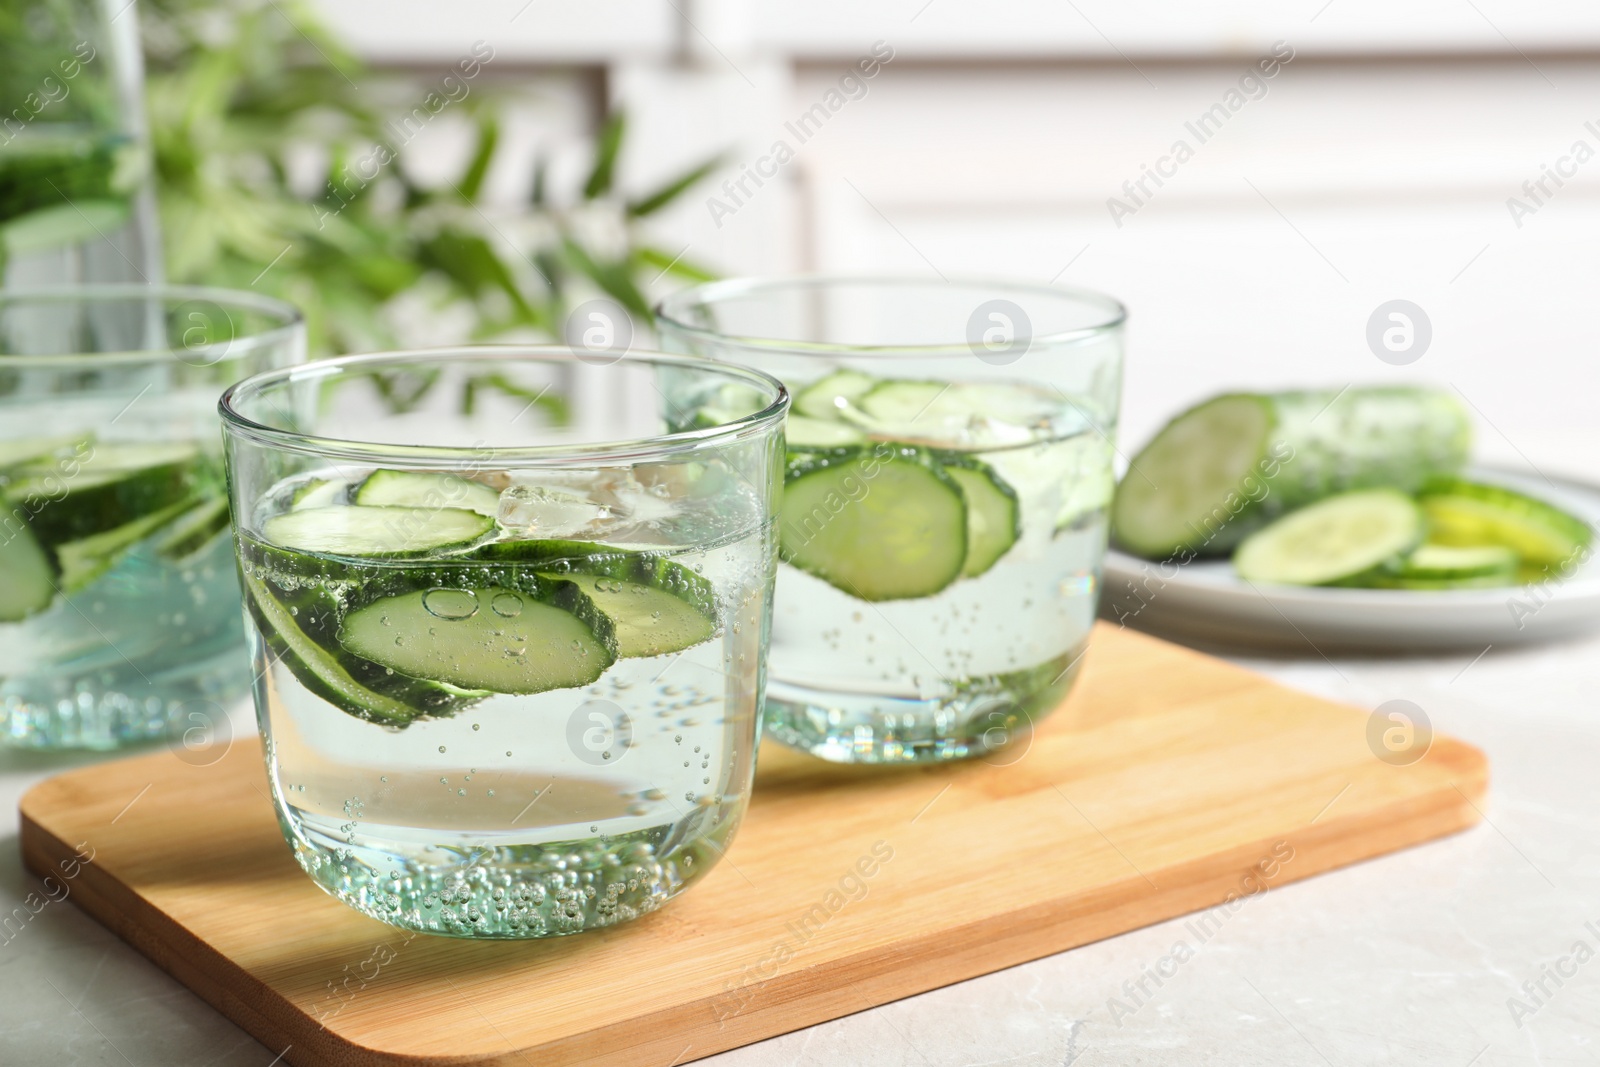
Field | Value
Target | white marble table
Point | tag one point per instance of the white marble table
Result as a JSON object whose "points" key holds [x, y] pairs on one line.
{"points": [[1407, 959]]}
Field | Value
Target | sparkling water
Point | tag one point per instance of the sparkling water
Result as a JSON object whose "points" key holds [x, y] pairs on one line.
{"points": [[544, 814]]}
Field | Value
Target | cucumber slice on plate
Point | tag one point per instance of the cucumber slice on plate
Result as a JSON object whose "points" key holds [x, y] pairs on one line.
{"points": [[356, 686], [426, 489], [1339, 540], [814, 435], [827, 397], [1463, 513], [994, 518], [362, 531], [27, 578], [656, 606], [879, 524], [538, 636], [1434, 566]]}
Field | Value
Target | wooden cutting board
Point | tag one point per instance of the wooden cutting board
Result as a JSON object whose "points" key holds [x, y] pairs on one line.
{"points": [[1168, 782]]}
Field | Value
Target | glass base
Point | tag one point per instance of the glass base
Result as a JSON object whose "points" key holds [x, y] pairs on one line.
{"points": [[115, 707], [989, 718]]}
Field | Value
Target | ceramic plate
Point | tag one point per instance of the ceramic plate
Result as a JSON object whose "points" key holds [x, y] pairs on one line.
{"points": [[1206, 602]]}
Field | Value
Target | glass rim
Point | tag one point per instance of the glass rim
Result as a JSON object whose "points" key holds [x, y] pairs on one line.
{"points": [[239, 348], [671, 312], [627, 449]]}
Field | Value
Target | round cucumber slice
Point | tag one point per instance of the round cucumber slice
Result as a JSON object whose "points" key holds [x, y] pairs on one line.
{"points": [[1463, 513], [994, 518], [827, 397], [27, 583], [656, 606], [813, 435], [879, 524], [1340, 539], [426, 489], [1445, 562], [528, 639], [361, 531]]}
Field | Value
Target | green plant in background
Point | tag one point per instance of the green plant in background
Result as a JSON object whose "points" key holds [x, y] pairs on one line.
{"points": [[241, 94]]}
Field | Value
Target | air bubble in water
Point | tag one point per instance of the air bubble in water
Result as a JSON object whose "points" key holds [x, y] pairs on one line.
{"points": [[450, 604]]}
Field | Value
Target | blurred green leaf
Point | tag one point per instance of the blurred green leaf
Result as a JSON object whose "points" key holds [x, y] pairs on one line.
{"points": [[650, 203], [605, 156], [677, 266], [488, 137], [614, 279]]}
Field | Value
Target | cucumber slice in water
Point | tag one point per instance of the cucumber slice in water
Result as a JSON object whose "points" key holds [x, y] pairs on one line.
{"points": [[27, 583], [528, 639], [356, 686], [813, 435], [113, 487], [23, 450], [196, 530], [879, 524], [84, 560], [657, 606], [426, 489], [1337, 540], [1463, 513], [826, 397], [319, 493], [361, 531], [994, 518]]}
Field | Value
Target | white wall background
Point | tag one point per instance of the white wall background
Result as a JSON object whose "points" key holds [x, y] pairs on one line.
{"points": [[1376, 165]]}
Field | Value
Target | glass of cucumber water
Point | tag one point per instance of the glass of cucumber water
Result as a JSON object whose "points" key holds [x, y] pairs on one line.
{"points": [[119, 612], [948, 473], [509, 609]]}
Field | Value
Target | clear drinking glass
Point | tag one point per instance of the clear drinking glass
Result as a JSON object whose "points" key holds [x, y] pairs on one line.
{"points": [[509, 609], [948, 475], [76, 202], [119, 613]]}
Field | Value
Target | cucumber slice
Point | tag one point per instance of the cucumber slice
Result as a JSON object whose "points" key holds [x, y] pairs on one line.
{"points": [[196, 530], [728, 403], [110, 488], [1463, 513], [1337, 540], [879, 524], [1434, 566], [963, 414], [426, 489], [27, 583], [360, 531], [319, 493], [813, 435], [529, 639], [356, 686], [994, 518], [1233, 463], [826, 397], [656, 606], [84, 560], [24, 450]]}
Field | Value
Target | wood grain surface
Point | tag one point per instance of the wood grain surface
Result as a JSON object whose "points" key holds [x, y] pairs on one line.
{"points": [[1166, 783]]}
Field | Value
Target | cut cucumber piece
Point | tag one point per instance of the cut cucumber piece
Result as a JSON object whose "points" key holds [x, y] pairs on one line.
{"points": [[657, 606], [826, 397], [960, 414], [84, 560], [994, 518], [196, 530], [879, 524], [1233, 463], [1464, 513], [1338, 540], [360, 531], [27, 578], [356, 686], [1445, 567], [812, 435], [320, 493], [24, 450], [115, 485], [528, 639], [728, 403], [426, 489]]}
